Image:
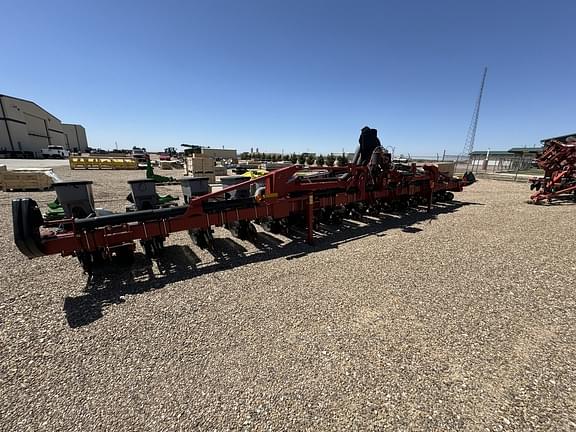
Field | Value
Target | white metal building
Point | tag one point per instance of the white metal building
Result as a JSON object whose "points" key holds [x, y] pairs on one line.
{"points": [[498, 161], [26, 128], [75, 137]]}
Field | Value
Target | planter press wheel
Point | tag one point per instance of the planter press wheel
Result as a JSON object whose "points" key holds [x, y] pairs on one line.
{"points": [[202, 238], [27, 220]]}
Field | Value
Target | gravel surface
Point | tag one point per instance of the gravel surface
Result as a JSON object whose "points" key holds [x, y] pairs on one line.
{"points": [[462, 322]]}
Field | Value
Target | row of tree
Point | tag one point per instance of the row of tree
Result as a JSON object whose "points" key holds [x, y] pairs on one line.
{"points": [[272, 157], [303, 158]]}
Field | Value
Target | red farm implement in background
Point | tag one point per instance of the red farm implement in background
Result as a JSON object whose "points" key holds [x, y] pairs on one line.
{"points": [[558, 160], [289, 197]]}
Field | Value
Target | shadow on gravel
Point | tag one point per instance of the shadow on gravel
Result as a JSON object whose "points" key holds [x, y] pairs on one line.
{"points": [[109, 285]]}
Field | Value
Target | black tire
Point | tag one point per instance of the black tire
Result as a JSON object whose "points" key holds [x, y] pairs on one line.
{"points": [[202, 238], [86, 261], [244, 230], [153, 247], [27, 220], [148, 249], [124, 255]]}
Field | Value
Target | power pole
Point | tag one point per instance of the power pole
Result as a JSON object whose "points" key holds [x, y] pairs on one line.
{"points": [[471, 137]]}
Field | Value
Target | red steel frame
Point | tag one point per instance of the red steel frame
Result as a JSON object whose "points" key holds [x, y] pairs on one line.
{"points": [[559, 164], [285, 194]]}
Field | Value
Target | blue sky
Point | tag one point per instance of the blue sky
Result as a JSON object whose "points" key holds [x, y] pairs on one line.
{"points": [[295, 75]]}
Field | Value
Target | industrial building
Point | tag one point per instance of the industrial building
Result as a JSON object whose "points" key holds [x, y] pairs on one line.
{"points": [[75, 135], [517, 158], [26, 129]]}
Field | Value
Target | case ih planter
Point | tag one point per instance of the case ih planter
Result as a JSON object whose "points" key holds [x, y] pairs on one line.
{"points": [[289, 196]]}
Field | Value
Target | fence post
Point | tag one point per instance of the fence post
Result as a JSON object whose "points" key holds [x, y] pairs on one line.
{"points": [[518, 167]]}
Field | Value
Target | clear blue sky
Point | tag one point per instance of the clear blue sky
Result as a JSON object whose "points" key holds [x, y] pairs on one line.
{"points": [[295, 75]]}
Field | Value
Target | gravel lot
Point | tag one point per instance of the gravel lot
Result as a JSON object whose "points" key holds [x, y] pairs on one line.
{"points": [[462, 322]]}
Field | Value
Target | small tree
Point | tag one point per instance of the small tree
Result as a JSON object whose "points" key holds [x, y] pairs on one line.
{"points": [[330, 159], [342, 160], [294, 158], [310, 160], [320, 160], [301, 159]]}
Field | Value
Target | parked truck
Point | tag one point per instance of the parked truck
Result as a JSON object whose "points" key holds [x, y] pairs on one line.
{"points": [[140, 155], [55, 152]]}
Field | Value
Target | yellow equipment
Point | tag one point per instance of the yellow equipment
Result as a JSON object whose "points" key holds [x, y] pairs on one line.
{"points": [[255, 173], [98, 162]]}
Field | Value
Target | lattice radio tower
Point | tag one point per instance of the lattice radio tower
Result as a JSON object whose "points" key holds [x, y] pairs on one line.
{"points": [[471, 137]]}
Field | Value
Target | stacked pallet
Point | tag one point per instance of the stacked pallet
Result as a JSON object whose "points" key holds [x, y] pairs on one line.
{"points": [[97, 162], [168, 164], [26, 179], [271, 166], [220, 171], [446, 168], [200, 167]]}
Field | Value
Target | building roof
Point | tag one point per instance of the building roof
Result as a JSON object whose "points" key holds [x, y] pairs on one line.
{"points": [[511, 152], [31, 102], [492, 153], [534, 150], [73, 124], [559, 138]]}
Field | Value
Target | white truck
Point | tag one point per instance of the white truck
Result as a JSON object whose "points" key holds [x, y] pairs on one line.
{"points": [[140, 155], [55, 152]]}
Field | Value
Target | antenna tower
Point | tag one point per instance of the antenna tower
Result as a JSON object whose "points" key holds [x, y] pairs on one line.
{"points": [[471, 137]]}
